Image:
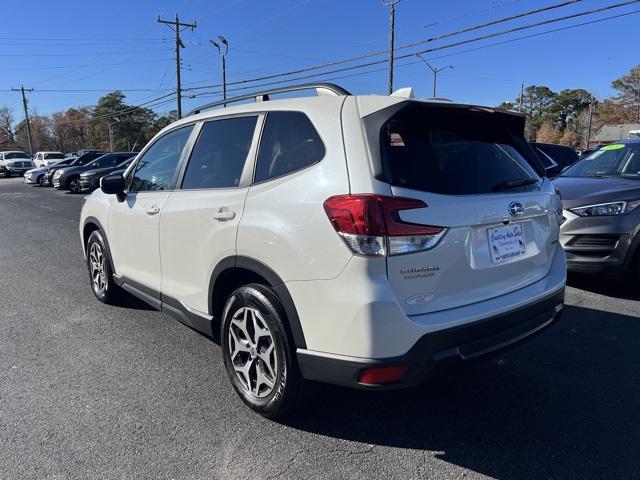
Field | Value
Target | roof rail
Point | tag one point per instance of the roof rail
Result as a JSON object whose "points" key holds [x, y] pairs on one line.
{"points": [[321, 89]]}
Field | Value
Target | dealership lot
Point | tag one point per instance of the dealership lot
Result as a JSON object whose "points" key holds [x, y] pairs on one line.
{"points": [[89, 390]]}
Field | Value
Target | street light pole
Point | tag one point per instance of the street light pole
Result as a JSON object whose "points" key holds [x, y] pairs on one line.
{"points": [[435, 72], [222, 51], [392, 34]]}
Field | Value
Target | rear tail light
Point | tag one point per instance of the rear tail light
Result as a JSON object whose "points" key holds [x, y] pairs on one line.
{"points": [[382, 375], [370, 224]]}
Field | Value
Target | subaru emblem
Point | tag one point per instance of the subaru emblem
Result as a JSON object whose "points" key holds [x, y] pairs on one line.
{"points": [[516, 209]]}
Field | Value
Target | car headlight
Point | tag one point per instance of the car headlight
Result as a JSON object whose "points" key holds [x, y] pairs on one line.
{"points": [[58, 173], [606, 209]]}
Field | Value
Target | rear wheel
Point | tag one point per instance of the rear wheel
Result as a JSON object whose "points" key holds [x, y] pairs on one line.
{"points": [[99, 266], [258, 354], [74, 184]]}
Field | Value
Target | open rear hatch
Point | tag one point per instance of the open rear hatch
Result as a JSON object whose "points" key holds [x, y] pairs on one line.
{"points": [[477, 180]]}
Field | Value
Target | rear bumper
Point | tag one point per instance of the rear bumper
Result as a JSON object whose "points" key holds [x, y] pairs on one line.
{"points": [[462, 343]]}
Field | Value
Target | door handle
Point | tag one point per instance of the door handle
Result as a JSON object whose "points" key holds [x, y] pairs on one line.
{"points": [[153, 209], [224, 214]]}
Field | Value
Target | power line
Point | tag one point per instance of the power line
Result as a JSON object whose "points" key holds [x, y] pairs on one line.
{"points": [[380, 52], [82, 90], [442, 47], [321, 75], [156, 102], [79, 54]]}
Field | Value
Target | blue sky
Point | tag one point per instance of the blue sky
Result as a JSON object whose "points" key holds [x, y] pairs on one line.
{"points": [[90, 45]]}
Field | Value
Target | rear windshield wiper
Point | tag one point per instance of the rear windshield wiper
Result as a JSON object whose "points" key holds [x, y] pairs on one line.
{"points": [[520, 182]]}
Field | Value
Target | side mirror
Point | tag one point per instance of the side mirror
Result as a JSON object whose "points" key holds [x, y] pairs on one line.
{"points": [[113, 184]]}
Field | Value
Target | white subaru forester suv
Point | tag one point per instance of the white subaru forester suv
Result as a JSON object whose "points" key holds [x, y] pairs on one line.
{"points": [[355, 240]]}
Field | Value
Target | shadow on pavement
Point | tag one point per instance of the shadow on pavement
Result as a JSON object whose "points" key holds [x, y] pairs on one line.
{"points": [[564, 405], [625, 289]]}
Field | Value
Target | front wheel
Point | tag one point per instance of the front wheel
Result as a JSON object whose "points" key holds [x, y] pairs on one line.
{"points": [[74, 184], [41, 180], [7, 174], [99, 266], [258, 354]]}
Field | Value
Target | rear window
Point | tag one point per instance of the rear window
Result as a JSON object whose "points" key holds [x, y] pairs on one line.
{"points": [[289, 143], [453, 152], [53, 156]]}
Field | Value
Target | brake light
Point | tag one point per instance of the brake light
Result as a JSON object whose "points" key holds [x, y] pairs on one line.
{"points": [[371, 225]]}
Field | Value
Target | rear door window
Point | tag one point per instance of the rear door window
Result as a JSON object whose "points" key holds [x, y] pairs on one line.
{"points": [[289, 143], [219, 155], [452, 152]]}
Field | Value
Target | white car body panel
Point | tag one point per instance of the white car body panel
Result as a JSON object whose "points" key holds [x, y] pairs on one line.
{"points": [[133, 234]]}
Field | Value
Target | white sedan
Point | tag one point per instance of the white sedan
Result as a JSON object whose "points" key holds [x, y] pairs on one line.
{"points": [[36, 175]]}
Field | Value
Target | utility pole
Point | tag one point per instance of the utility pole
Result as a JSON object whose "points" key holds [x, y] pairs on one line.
{"points": [[392, 34], [591, 100], [638, 99], [177, 27], [26, 114], [222, 51], [435, 72], [521, 97]]}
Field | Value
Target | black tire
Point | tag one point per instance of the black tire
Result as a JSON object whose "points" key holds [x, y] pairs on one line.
{"points": [[73, 184], [105, 290], [285, 394], [40, 181], [7, 174]]}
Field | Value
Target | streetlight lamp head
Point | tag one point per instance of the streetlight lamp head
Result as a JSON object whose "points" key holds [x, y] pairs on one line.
{"points": [[223, 40]]}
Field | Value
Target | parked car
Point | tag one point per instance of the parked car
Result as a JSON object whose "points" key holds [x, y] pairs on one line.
{"points": [[82, 159], [90, 180], [562, 155], [44, 159], [36, 175], [355, 240], [69, 177], [14, 162], [601, 196], [549, 164]]}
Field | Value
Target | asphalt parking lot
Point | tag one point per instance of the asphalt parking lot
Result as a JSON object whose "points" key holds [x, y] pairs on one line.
{"points": [[93, 391]]}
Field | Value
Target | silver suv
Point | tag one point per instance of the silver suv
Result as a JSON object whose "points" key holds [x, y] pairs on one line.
{"points": [[355, 240]]}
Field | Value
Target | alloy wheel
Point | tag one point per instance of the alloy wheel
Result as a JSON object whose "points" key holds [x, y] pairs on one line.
{"points": [[253, 352], [96, 262], [74, 185]]}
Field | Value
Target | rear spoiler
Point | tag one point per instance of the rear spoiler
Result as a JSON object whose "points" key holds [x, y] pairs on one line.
{"points": [[375, 118]]}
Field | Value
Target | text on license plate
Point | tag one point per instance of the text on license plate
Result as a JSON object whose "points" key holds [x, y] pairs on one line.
{"points": [[507, 242]]}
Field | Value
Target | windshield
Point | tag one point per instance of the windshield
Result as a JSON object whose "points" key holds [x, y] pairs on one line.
{"points": [[11, 155], [53, 156], [617, 160], [453, 152]]}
